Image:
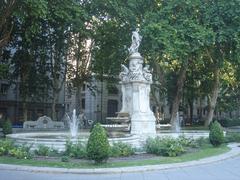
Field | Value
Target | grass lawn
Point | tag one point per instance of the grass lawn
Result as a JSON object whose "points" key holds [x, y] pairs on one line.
{"points": [[202, 153]]}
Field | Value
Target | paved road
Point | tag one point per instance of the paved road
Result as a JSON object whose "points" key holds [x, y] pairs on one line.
{"points": [[223, 170]]}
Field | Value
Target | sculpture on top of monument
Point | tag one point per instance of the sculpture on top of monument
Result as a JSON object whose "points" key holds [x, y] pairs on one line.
{"points": [[135, 72], [136, 40]]}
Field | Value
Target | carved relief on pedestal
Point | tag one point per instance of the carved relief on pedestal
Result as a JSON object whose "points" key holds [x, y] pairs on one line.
{"points": [[128, 99], [135, 70], [143, 98]]}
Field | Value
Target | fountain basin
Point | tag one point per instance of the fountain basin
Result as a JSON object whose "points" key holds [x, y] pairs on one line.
{"points": [[57, 140], [187, 133]]}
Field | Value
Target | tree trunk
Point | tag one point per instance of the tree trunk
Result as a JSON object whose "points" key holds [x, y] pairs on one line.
{"points": [[178, 95], [190, 103], [200, 109], [78, 97], [213, 96], [54, 102], [25, 111]]}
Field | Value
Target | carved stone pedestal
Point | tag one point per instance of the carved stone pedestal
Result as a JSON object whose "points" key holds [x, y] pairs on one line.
{"points": [[136, 83], [142, 118]]}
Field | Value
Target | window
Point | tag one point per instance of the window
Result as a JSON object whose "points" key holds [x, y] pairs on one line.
{"points": [[112, 108], [84, 87], [4, 89], [83, 103]]}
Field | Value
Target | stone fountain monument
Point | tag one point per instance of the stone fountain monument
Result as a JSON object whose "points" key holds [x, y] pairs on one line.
{"points": [[135, 82]]}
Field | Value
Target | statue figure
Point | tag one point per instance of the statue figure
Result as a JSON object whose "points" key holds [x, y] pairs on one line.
{"points": [[147, 73], [146, 69], [136, 40], [124, 69], [124, 73]]}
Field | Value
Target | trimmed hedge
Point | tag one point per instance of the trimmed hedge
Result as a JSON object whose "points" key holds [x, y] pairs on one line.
{"points": [[98, 148], [216, 135], [7, 127]]}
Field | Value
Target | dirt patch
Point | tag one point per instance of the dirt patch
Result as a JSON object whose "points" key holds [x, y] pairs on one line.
{"points": [[136, 157]]}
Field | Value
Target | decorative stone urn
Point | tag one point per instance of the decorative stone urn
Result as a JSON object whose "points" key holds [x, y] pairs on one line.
{"points": [[135, 82]]}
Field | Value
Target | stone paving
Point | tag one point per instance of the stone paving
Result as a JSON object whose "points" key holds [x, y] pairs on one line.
{"points": [[223, 167]]}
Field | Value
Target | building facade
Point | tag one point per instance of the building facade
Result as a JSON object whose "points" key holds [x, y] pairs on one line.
{"points": [[11, 105], [104, 102]]}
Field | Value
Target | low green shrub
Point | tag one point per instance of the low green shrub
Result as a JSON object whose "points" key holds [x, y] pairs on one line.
{"points": [[7, 127], [65, 159], [165, 146], [54, 153], [121, 149], [68, 147], [202, 141], [98, 148], [77, 150], [20, 153], [42, 150], [5, 147], [216, 135], [187, 142], [232, 137]]}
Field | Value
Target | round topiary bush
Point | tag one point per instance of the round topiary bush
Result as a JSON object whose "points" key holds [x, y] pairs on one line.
{"points": [[98, 148], [216, 135], [7, 127]]}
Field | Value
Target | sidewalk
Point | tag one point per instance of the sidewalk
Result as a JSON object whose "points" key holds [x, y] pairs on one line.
{"points": [[235, 150]]}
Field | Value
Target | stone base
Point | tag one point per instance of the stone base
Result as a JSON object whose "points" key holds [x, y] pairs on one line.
{"points": [[143, 123]]}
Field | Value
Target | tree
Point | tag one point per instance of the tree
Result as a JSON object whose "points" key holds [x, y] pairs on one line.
{"points": [[176, 38], [223, 18], [43, 30], [24, 72], [6, 26], [26, 29], [79, 65], [63, 24]]}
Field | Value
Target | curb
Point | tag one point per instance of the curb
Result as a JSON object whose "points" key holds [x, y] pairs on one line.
{"points": [[235, 150]]}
